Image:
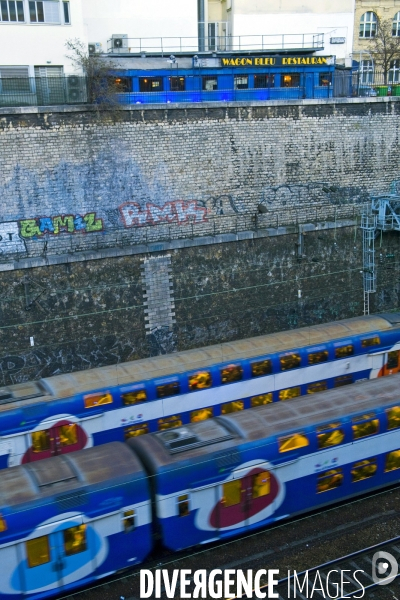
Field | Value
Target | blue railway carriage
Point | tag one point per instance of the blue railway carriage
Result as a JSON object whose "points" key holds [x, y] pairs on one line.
{"points": [[69, 520], [241, 471]]}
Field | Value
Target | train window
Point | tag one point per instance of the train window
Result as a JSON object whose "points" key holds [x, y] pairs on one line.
{"points": [[230, 407], [122, 84], [38, 551], [263, 81], [3, 524], [135, 430], [291, 80], [329, 480], [40, 440], [292, 442], [261, 484], [317, 357], [393, 417], [365, 425], [329, 435], [343, 380], [317, 386], [231, 373], [200, 381], [209, 83], [151, 84], [290, 393], [241, 82], [183, 505], [261, 400], [201, 415], [344, 351], [232, 492], [289, 361], [373, 341], [168, 389], [392, 461], [393, 359], [363, 469], [177, 84], [134, 397], [74, 540], [261, 367], [93, 400], [68, 434], [128, 520], [169, 422]]}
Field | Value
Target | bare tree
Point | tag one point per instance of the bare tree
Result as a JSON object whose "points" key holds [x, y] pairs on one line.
{"points": [[384, 46]]}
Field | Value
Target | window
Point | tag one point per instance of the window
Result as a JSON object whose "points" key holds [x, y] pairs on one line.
{"points": [[366, 72], [329, 480], [317, 386], [231, 373], [67, 20], [261, 367], [128, 520], [151, 84], [123, 84], [135, 430], [241, 82], [230, 407], [38, 551], [343, 380], [93, 400], [393, 417], [3, 524], [392, 461], [263, 81], [68, 434], [329, 435], [368, 25], [318, 357], [344, 351], [14, 79], [168, 389], [209, 83], [363, 469], [46, 11], [11, 10], [291, 80], [393, 358], [134, 397], [365, 425], [40, 440], [396, 25], [74, 540], [201, 415], [292, 442], [373, 341], [325, 79], [183, 505], [290, 393], [200, 381], [261, 484], [394, 77], [261, 400], [289, 361], [169, 422], [231, 493], [177, 84]]}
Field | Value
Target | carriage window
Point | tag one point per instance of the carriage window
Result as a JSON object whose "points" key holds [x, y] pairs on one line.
{"points": [[177, 84], [134, 397], [261, 484], [317, 357], [168, 389], [3, 524], [40, 440], [263, 81], [231, 373], [230, 407], [329, 480], [290, 393], [200, 381], [183, 505], [261, 400], [135, 430], [393, 359], [393, 417], [392, 461], [374, 341], [38, 551], [201, 415], [292, 442], [75, 540], [241, 82], [261, 367], [169, 422], [363, 469], [128, 520], [344, 351], [329, 435], [365, 425], [209, 83], [151, 84], [343, 380], [289, 361], [231, 493], [317, 386], [93, 400], [68, 434]]}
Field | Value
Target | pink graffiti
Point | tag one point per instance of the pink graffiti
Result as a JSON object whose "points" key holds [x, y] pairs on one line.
{"points": [[178, 211]]}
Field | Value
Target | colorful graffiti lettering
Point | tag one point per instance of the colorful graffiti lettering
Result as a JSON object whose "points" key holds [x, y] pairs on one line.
{"points": [[178, 211], [30, 228]]}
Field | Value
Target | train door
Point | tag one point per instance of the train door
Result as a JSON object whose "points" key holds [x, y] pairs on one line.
{"points": [[60, 437], [392, 360]]}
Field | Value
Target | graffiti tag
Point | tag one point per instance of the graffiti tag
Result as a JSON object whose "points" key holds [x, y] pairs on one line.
{"points": [[178, 211], [30, 228], [9, 238]]}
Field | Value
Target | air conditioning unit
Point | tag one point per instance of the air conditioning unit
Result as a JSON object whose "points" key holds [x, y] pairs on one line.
{"points": [[94, 48], [76, 89], [119, 43]]}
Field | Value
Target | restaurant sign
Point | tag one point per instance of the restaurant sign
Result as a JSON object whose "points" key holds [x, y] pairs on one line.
{"points": [[277, 61]]}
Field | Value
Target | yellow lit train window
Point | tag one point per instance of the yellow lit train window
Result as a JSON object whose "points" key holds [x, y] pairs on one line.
{"points": [[317, 386], [38, 551], [317, 357], [289, 361], [329, 480], [68, 434], [201, 415], [230, 407], [290, 393], [232, 492], [365, 425], [231, 373], [74, 540], [393, 360], [393, 417], [363, 469], [200, 381], [40, 440], [261, 367], [168, 389], [392, 461], [128, 520], [136, 430], [261, 484], [343, 380], [261, 400], [134, 397], [3, 524], [183, 505], [344, 351], [169, 422], [93, 400], [373, 341], [329, 435], [292, 442]]}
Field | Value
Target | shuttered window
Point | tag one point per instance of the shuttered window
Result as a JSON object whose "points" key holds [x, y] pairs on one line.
{"points": [[14, 79]]}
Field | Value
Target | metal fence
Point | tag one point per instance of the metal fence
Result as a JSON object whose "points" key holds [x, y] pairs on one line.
{"points": [[42, 91]]}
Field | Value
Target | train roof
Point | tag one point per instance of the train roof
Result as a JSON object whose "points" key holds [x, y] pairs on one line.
{"points": [[193, 441]]}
